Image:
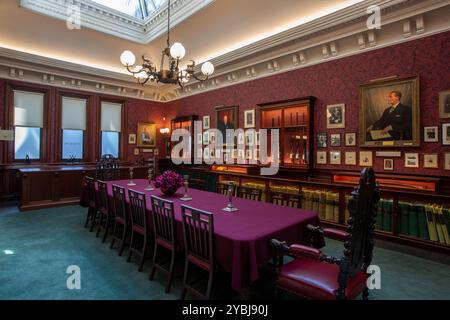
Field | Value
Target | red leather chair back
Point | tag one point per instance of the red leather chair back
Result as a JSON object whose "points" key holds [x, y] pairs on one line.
{"points": [[137, 208], [119, 202], [163, 219], [102, 197]]}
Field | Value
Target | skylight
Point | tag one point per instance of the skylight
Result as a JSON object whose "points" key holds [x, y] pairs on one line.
{"points": [[137, 8]]}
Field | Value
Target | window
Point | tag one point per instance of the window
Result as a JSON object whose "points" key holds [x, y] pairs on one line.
{"points": [[137, 8], [73, 126], [28, 124], [111, 126]]}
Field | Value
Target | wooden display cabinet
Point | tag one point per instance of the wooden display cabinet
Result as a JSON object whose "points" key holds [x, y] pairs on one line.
{"points": [[295, 120], [187, 123]]}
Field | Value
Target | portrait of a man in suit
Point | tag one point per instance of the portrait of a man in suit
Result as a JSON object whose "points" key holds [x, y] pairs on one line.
{"points": [[396, 120], [226, 118]]}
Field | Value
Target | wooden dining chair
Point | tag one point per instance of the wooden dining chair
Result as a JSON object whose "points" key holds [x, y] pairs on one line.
{"points": [[121, 221], [140, 231], [199, 184], [222, 188], [89, 187], [314, 275], [198, 232], [106, 219], [285, 199], [249, 193], [164, 231]]}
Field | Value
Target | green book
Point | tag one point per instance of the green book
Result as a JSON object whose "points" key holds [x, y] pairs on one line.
{"points": [[380, 215], [422, 221], [413, 227], [387, 218], [403, 210]]}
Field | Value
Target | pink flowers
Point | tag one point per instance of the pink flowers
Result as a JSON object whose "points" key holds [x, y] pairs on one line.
{"points": [[169, 180]]}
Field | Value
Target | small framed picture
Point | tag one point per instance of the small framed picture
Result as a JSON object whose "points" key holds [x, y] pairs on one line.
{"points": [[430, 161], [136, 151], [206, 153], [249, 137], [388, 164], [212, 153], [446, 134], [322, 140], [350, 158], [212, 137], [430, 134], [447, 161], [206, 137], [335, 157], [336, 116], [411, 160], [321, 157], [132, 138], [206, 122], [350, 139], [444, 104], [335, 140], [200, 138], [249, 118], [218, 152], [365, 158]]}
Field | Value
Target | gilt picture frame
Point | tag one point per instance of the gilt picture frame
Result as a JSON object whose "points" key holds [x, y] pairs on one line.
{"points": [[146, 135]]}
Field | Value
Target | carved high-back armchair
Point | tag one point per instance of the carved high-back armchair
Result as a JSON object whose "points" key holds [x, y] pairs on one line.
{"points": [[314, 275], [107, 169]]}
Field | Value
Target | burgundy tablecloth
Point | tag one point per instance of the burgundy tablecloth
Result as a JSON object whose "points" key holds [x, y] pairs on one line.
{"points": [[242, 237]]}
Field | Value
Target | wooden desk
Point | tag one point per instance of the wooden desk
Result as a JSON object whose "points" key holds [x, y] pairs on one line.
{"points": [[55, 185]]}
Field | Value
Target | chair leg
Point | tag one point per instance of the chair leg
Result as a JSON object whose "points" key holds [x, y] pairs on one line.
{"points": [[210, 284], [88, 217], [144, 250], [106, 229], [155, 253], [365, 294], [186, 270], [114, 235], [94, 218], [171, 271], [124, 238], [131, 248]]}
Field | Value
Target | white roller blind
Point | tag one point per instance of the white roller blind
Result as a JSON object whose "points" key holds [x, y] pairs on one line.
{"points": [[111, 117], [73, 114], [28, 109]]}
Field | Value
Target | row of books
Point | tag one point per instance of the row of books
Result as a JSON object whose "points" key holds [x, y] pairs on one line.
{"points": [[425, 221], [384, 215], [325, 203]]}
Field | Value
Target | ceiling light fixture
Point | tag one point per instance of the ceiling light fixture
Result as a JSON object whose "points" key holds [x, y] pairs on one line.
{"points": [[169, 73]]}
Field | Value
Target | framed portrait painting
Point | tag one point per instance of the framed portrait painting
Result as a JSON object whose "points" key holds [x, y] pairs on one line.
{"points": [[146, 135], [227, 118], [390, 113], [249, 119], [336, 116]]}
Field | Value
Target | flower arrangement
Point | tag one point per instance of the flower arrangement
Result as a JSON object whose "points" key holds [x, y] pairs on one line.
{"points": [[169, 182]]}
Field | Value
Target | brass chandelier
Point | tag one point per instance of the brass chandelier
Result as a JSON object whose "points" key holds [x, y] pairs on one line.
{"points": [[169, 73]]}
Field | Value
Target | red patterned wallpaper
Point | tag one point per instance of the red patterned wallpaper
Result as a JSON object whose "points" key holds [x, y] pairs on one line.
{"points": [[338, 82]]}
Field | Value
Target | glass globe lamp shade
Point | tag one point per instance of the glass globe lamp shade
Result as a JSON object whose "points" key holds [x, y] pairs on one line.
{"points": [[177, 51], [207, 68], [128, 58]]}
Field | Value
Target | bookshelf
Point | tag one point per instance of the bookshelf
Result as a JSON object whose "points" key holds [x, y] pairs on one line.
{"points": [[187, 123]]}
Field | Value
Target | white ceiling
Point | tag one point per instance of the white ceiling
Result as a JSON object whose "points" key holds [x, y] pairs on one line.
{"points": [[219, 28]]}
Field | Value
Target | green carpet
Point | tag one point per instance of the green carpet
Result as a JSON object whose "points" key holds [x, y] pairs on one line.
{"points": [[37, 247]]}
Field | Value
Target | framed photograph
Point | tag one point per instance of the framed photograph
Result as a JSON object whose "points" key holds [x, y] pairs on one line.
{"points": [[430, 161], [336, 116], [388, 164], [206, 122], [411, 160], [390, 113], [206, 153], [322, 140], [227, 118], [321, 157], [132, 138], [444, 104], [136, 151], [335, 140], [366, 158], [350, 158], [249, 118], [335, 157], [430, 134], [350, 139], [446, 134], [447, 161], [206, 137], [146, 135]]}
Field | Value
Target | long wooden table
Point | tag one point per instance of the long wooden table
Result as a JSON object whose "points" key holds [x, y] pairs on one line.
{"points": [[242, 237]]}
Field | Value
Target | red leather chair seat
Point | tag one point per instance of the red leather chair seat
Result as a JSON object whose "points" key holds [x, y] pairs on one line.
{"points": [[139, 229], [199, 262], [317, 280]]}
